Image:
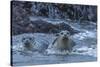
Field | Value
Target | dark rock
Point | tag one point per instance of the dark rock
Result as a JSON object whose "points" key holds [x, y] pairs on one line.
{"points": [[41, 26], [22, 10]]}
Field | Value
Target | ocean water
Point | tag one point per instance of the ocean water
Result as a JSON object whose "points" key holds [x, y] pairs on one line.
{"points": [[84, 51]]}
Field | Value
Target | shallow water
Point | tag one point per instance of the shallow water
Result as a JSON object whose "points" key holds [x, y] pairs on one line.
{"points": [[52, 59], [84, 51]]}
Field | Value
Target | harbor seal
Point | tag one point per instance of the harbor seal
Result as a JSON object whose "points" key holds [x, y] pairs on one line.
{"points": [[28, 43], [63, 42]]}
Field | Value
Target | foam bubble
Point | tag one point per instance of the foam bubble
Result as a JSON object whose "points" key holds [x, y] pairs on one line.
{"points": [[85, 51]]}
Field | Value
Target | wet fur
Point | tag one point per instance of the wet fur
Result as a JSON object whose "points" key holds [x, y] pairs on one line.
{"points": [[63, 42], [28, 43]]}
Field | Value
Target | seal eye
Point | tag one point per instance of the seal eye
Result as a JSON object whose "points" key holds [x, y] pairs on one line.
{"points": [[30, 38], [23, 39], [62, 33], [68, 33]]}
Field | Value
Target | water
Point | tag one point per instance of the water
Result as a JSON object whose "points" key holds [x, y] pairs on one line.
{"points": [[52, 59], [85, 49]]}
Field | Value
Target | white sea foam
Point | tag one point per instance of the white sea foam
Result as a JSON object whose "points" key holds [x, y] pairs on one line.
{"points": [[84, 50], [40, 37], [81, 51], [85, 34], [53, 51]]}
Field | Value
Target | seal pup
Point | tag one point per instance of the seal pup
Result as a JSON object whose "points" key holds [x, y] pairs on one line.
{"points": [[28, 43]]}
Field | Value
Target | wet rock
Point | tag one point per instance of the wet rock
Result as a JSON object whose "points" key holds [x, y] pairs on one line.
{"points": [[22, 10], [42, 27]]}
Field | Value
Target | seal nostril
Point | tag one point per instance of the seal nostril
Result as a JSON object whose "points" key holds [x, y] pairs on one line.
{"points": [[65, 35]]}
